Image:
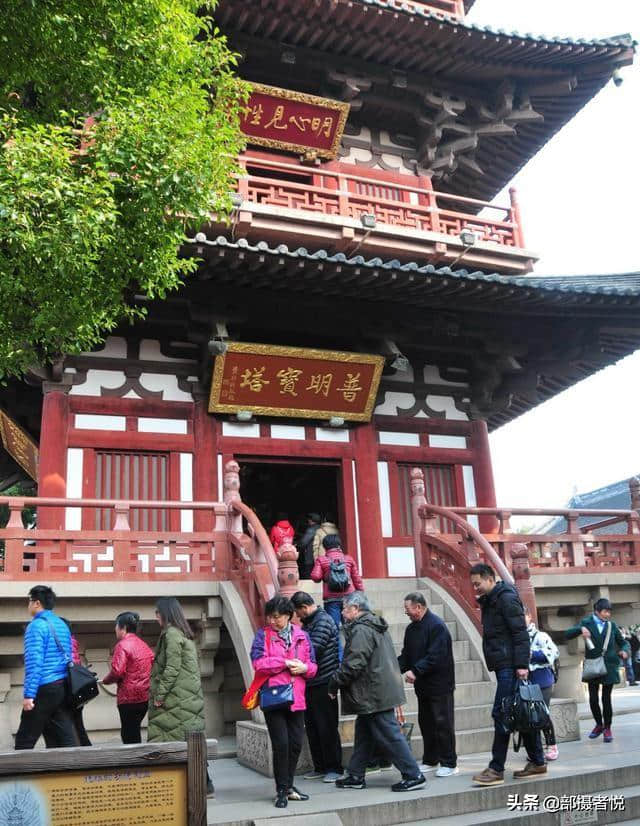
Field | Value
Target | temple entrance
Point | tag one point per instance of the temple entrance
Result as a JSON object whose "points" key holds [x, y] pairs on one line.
{"points": [[295, 488]]}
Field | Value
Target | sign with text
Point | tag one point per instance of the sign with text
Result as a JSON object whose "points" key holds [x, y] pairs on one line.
{"points": [[296, 122], [295, 382], [19, 445], [119, 797]]}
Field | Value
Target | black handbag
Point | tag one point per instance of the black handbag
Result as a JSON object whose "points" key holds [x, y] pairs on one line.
{"points": [[82, 683], [525, 711]]}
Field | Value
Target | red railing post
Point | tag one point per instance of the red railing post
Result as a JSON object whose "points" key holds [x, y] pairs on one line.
{"points": [[121, 545], [522, 578], [516, 218], [288, 576], [14, 548], [231, 486], [418, 500]]}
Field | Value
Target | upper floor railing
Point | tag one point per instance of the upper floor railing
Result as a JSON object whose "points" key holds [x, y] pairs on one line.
{"points": [[393, 204], [452, 8]]}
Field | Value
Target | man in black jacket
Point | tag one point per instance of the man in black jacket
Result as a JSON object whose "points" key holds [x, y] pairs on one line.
{"points": [[426, 661], [505, 643], [321, 715]]}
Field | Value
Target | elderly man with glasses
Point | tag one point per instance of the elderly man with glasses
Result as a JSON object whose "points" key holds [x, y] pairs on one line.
{"points": [[371, 685]]}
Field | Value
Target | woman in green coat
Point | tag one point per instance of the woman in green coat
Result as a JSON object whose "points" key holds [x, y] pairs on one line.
{"points": [[594, 630], [176, 703]]}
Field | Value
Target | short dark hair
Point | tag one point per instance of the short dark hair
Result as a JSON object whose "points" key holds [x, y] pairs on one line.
{"points": [[128, 620], [44, 595], [483, 570], [602, 604], [171, 613], [416, 598], [278, 605], [331, 541], [301, 598], [314, 517]]}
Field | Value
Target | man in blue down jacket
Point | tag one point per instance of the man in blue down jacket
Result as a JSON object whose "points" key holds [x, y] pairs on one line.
{"points": [[44, 708], [321, 714], [505, 643], [426, 661]]}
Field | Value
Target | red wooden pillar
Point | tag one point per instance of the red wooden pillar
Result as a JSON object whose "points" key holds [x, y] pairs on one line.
{"points": [[53, 455], [205, 482], [483, 475], [368, 503]]}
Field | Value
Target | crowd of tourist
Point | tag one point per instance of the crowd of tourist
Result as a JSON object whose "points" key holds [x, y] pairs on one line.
{"points": [[300, 669]]}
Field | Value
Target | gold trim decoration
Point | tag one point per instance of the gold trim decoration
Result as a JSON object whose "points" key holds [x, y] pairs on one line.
{"points": [[215, 406], [329, 154], [12, 445]]}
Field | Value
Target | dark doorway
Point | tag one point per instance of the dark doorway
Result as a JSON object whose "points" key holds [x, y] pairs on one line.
{"points": [[270, 488]]}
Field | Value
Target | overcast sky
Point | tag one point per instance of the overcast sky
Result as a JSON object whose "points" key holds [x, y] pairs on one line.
{"points": [[579, 204]]}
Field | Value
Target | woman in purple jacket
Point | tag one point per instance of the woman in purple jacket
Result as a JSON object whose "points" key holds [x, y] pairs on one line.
{"points": [[281, 654]]}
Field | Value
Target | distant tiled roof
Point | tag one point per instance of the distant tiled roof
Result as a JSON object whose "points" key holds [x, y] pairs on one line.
{"points": [[610, 497]]}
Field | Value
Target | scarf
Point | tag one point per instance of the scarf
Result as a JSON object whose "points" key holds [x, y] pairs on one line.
{"points": [[285, 635]]}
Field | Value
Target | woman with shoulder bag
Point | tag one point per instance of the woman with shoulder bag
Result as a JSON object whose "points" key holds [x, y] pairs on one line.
{"points": [[603, 640], [283, 659]]}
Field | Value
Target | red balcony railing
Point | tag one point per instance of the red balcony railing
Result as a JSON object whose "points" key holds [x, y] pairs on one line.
{"points": [[452, 8], [393, 204]]}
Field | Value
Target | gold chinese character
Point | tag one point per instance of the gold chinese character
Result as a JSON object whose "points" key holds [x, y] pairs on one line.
{"points": [[300, 122], [253, 379], [288, 379], [351, 387], [320, 383], [276, 120], [254, 114], [326, 127]]}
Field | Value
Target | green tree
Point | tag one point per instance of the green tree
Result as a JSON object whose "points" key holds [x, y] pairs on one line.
{"points": [[119, 130]]}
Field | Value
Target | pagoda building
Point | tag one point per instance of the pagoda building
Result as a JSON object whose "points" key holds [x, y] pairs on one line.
{"points": [[367, 310]]}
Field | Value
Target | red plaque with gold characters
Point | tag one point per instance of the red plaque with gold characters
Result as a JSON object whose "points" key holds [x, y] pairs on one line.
{"points": [[296, 122], [295, 382], [19, 445]]}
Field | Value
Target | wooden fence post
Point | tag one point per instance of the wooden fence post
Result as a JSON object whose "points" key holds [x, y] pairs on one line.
{"points": [[196, 778], [522, 578], [288, 575]]}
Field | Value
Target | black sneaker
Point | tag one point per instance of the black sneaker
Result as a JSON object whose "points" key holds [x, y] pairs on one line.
{"points": [[408, 785], [281, 801], [350, 782], [296, 794]]}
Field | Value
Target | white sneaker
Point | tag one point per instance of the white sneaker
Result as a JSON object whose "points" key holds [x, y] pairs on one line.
{"points": [[447, 771], [425, 767]]}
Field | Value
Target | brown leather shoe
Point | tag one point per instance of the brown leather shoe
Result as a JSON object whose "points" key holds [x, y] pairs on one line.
{"points": [[488, 777], [530, 770]]}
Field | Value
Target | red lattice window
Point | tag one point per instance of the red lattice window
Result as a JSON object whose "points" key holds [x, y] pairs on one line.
{"points": [[440, 489], [378, 190], [132, 475]]}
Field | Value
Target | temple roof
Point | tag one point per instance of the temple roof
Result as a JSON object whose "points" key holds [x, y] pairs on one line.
{"points": [[518, 340], [519, 88]]}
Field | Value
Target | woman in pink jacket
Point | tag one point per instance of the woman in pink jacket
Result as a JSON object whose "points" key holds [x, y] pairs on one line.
{"points": [[130, 669], [281, 654]]}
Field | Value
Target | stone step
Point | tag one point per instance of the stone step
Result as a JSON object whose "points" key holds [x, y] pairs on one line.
{"points": [[468, 719], [467, 742], [506, 817], [470, 694]]}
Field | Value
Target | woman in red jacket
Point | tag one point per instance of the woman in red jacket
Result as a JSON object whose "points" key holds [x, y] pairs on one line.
{"points": [[336, 568], [130, 669]]}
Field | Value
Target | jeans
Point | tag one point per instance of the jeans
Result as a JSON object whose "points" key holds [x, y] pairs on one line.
{"points": [[50, 717], [131, 716], [286, 732], [321, 721], [382, 730], [507, 682], [594, 703], [436, 721], [334, 608]]}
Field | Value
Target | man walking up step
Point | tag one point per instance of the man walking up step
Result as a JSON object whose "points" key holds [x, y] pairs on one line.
{"points": [[426, 661], [505, 643]]}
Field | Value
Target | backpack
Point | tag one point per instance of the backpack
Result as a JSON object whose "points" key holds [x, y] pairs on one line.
{"points": [[525, 711], [338, 578]]}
